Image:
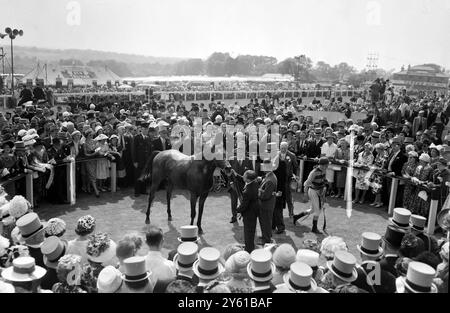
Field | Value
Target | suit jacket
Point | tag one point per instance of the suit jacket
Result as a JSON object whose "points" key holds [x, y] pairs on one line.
{"points": [[397, 163], [266, 190], [313, 150], [250, 202], [291, 164], [302, 147], [142, 148], [158, 145], [388, 264], [416, 123], [387, 280]]}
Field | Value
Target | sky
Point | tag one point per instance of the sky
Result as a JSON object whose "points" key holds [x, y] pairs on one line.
{"points": [[400, 32]]}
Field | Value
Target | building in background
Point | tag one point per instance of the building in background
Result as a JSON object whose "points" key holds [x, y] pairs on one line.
{"points": [[422, 77]]}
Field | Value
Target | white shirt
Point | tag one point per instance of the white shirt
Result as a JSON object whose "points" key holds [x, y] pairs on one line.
{"points": [[159, 266], [328, 150]]}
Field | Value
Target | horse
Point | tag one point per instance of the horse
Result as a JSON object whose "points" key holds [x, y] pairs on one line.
{"points": [[181, 171]]}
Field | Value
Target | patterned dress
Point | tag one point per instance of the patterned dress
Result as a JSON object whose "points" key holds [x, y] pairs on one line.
{"points": [[103, 164], [89, 276], [376, 179], [91, 165], [418, 205], [362, 181], [409, 168]]}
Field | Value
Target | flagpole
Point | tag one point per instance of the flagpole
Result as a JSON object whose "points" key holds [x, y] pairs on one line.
{"points": [[349, 179]]}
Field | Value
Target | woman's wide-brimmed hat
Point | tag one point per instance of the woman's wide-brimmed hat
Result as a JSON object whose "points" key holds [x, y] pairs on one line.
{"points": [[109, 280], [23, 269], [100, 248], [343, 266], [370, 245], [101, 137], [208, 266]]}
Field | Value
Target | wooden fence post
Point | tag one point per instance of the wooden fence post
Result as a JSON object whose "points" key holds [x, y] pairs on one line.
{"points": [[300, 176], [29, 187], [71, 182], [113, 176], [432, 217], [393, 196]]}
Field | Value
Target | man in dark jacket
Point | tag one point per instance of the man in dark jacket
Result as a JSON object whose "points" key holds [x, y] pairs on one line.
{"points": [[249, 208], [142, 149]]}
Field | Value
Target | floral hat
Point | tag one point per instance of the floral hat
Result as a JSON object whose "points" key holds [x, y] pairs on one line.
{"points": [[69, 269], [85, 225], [330, 245], [18, 206], [12, 253], [55, 227], [100, 248]]}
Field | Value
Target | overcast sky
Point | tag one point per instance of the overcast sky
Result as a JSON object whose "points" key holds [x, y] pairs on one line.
{"points": [[400, 31]]}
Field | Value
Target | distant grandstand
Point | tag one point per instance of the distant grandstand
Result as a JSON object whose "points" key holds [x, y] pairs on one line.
{"points": [[421, 77], [64, 76]]}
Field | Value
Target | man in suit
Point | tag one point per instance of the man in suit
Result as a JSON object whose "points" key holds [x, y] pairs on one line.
{"points": [[239, 167], [291, 170], [395, 161], [249, 208], [163, 141], [142, 148], [128, 151], [267, 195], [313, 150], [419, 123], [302, 143]]}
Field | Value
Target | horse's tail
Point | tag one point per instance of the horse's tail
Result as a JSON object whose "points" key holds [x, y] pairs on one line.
{"points": [[146, 174]]}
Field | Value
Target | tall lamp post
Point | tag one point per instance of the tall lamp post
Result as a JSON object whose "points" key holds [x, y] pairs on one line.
{"points": [[12, 35]]}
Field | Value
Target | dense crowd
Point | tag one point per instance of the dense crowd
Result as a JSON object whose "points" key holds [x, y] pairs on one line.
{"points": [[35, 257], [401, 136]]}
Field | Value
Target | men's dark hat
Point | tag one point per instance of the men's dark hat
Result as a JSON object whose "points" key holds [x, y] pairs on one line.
{"points": [[324, 161], [394, 236], [8, 143]]}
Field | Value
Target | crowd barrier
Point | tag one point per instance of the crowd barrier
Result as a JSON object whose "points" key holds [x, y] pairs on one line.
{"points": [[71, 182], [393, 189]]}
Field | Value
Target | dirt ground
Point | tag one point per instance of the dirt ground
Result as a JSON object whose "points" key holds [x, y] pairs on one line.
{"points": [[121, 213]]}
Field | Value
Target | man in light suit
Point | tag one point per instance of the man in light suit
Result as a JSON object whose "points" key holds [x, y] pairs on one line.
{"points": [[267, 195]]}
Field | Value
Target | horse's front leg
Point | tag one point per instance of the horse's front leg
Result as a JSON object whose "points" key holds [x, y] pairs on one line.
{"points": [[193, 204], [201, 204]]}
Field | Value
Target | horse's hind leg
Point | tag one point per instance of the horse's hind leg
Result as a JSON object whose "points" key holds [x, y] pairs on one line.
{"points": [[151, 196], [201, 204], [169, 196], [193, 204]]}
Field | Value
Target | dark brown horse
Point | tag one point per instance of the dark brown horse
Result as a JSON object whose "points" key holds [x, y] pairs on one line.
{"points": [[180, 171]]}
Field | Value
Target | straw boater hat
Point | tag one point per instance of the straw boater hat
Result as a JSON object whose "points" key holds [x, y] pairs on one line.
{"points": [[419, 279], [343, 266], [186, 256], [208, 266], [299, 278], [24, 269], [417, 222], [400, 218], [370, 245], [135, 269], [308, 257], [53, 248], [109, 280], [30, 229], [188, 233], [261, 267]]}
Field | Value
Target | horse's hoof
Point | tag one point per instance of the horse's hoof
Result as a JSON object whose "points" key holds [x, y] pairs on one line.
{"points": [[200, 231], [169, 218], [147, 221]]}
